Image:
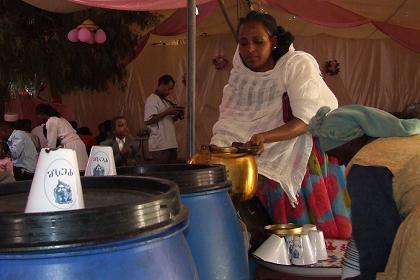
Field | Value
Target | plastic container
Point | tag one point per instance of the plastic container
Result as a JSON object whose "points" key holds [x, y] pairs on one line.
{"points": [[214, 235], [131, 228]]}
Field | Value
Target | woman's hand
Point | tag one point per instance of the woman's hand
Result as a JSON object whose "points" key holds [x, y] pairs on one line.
{"points": [[292, 129], [257, 140]]}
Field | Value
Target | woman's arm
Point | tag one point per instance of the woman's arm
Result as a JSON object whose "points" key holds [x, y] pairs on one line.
{"points": [[52, 133], [290, 130]]}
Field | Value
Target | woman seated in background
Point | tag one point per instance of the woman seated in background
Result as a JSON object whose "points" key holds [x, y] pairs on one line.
{"points": [[272, 93], [382, 154], [86, 135], [59, 132], [412, 111], [6, 164]]}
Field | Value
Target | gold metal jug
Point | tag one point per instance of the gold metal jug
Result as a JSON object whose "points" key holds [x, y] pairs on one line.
{"points": [[241, 168]]}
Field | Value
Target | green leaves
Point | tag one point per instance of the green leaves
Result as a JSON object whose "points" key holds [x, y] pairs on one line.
{"points": [[34, 47]]}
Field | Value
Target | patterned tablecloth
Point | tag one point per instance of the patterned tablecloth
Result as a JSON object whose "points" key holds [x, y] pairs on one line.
{"points": [[335, 249]]}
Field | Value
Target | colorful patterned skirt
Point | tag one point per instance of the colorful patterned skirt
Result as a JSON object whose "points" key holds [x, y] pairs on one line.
{"points": [[323, 199]]}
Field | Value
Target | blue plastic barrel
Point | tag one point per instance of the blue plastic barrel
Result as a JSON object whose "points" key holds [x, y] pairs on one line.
{"points": [[214, 235], [131, 228]]}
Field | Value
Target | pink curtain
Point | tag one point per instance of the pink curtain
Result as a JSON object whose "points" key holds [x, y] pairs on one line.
{"points": [[175, 24], [407, 37], [138, 5], [319, 12], [324, 13]]}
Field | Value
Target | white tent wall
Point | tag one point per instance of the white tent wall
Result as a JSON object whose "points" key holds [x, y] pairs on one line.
{"points": [[378, 73], [374, 72]]}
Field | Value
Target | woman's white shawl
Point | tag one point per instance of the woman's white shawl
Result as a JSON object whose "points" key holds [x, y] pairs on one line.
{"points": [[252, 103]]}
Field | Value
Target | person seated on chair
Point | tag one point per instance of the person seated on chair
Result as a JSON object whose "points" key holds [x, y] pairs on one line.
{"points": [[411, 111], [382, 155], [124, 146], [6, 164], [22, 151], [87, 137]]}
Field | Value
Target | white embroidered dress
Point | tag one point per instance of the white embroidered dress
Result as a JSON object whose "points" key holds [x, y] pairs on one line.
{"points": [[59, 129], [252, 103]]}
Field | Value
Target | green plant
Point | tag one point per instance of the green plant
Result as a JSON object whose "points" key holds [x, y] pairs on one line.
{"points": [[34, 47]]}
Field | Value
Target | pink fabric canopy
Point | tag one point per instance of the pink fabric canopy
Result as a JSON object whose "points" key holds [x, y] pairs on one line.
{"points": [[138, 5], [320, 12], [328, 14], [174, 25]]}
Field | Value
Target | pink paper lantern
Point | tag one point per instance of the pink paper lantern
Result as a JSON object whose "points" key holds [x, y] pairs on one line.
{"points": [[100, 36], [91, 39], [73, 35], [84, 35]]}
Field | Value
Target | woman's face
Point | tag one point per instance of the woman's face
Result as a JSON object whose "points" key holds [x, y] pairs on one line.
{"points": [[255, 46]]}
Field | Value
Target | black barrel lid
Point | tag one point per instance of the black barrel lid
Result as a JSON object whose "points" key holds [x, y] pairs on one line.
{"points": [[189, 177], [116, 208]]}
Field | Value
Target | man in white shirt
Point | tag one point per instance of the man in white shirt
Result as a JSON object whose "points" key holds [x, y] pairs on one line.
{"points": [[159, 115], [22, 151]]}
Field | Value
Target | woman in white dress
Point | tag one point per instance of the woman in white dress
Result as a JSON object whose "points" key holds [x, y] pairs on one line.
{"points": [[272, 93], [60, 133]]}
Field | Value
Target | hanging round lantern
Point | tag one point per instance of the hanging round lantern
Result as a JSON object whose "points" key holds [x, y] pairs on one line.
{"points": [[84, 35], [73, 35], [100, 36], [87, 32]]}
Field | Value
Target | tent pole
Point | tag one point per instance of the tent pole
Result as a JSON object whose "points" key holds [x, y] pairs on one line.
{"points": [[228, 21], [191, 73]]}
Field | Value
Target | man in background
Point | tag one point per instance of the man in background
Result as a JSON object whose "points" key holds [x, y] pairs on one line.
{"points": [[160, 113]]}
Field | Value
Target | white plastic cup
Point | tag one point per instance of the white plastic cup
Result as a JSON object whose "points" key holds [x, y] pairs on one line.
{"points": [[308, 227], [273, 250], [289, 243], [318, 243], [101, 162], [302, 253], [56, 184]]}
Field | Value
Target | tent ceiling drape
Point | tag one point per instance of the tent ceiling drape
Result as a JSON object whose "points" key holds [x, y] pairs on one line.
{"points": [[56, 6], [361, 19], [330, 14], [136, 5]]}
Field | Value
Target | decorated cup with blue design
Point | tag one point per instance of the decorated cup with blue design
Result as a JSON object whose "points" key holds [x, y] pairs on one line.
{"points": [[101, 162], [56, 184]]}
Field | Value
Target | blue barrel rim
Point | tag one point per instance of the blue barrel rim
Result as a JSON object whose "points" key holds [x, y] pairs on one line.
{"points": [[190, 178], [23, 231]]}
